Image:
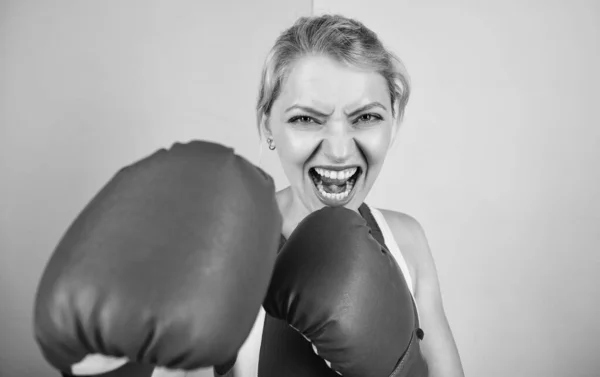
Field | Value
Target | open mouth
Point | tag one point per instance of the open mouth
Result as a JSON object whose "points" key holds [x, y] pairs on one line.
{"points": [[334, 186]]}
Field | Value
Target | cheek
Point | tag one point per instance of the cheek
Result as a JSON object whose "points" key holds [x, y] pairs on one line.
{"points": [[294, 149], [375, 144]]}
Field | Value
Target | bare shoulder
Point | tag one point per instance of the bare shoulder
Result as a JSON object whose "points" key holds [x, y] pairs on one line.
{"points": [[408, 232], [404, 226], [412, 241]]}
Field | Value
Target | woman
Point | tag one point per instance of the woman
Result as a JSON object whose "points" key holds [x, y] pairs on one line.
{"points": [[330, 104]]}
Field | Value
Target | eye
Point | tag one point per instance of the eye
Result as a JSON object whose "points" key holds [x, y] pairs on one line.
{"points": [[368, 118], [302, 119]]}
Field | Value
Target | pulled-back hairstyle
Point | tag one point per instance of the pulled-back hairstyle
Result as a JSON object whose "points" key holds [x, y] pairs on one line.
{"points": [[347, 41]]}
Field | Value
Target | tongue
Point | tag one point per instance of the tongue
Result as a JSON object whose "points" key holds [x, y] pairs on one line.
{"points": [[332, 181], [334, 189]]}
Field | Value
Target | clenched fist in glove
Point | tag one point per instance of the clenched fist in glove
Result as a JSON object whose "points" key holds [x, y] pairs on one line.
{"points": [[167, 266], [345, 293]]}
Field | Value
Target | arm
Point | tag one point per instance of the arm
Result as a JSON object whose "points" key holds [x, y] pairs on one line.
{"points": [[438, 346]]}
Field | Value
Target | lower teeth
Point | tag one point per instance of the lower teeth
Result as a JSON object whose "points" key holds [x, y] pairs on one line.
{"points": [[338, 196]]}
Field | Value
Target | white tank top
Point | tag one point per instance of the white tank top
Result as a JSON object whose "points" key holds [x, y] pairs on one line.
{"points": [[247, 361]]}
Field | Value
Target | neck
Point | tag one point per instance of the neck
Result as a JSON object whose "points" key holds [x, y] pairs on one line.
{"points": [[292, 210]]}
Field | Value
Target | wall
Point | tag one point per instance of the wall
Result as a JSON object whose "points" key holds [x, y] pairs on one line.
{"points": [[499, 160], [88, 87], [497, 157]]}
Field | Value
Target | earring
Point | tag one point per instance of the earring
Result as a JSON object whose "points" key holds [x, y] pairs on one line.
{"points": [[271, 143]]}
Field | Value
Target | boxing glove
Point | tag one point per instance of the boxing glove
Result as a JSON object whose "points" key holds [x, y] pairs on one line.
{"points": [[166, 266], [344, 292]]}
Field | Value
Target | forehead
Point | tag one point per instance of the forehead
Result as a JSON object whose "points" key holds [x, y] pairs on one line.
{"points": [[322, 81]]}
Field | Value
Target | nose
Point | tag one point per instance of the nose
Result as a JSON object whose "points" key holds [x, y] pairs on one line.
{"points": [[338, 143]]}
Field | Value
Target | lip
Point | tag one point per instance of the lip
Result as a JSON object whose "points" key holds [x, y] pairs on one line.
{"points": [[334, 168]]}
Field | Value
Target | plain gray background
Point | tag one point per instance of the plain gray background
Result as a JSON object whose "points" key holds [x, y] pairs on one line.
{"points": [[498, 156]]}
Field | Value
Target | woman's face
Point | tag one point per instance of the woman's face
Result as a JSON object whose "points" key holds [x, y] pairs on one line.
{"points": [[332, 125]]}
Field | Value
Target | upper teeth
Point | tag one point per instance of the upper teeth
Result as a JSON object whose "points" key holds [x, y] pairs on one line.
{"points": [[336, 174]]}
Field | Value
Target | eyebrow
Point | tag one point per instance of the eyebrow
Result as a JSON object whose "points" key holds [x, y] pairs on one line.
{"points": [[321, 114], [366, 107], [308, 110]]}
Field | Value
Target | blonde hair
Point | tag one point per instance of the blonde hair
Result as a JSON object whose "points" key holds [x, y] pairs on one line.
{"points": [[344, 39]]}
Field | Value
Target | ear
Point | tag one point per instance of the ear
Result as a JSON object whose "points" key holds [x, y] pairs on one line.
{"points": [[265, 129], [396, 123], [264, 132]]}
